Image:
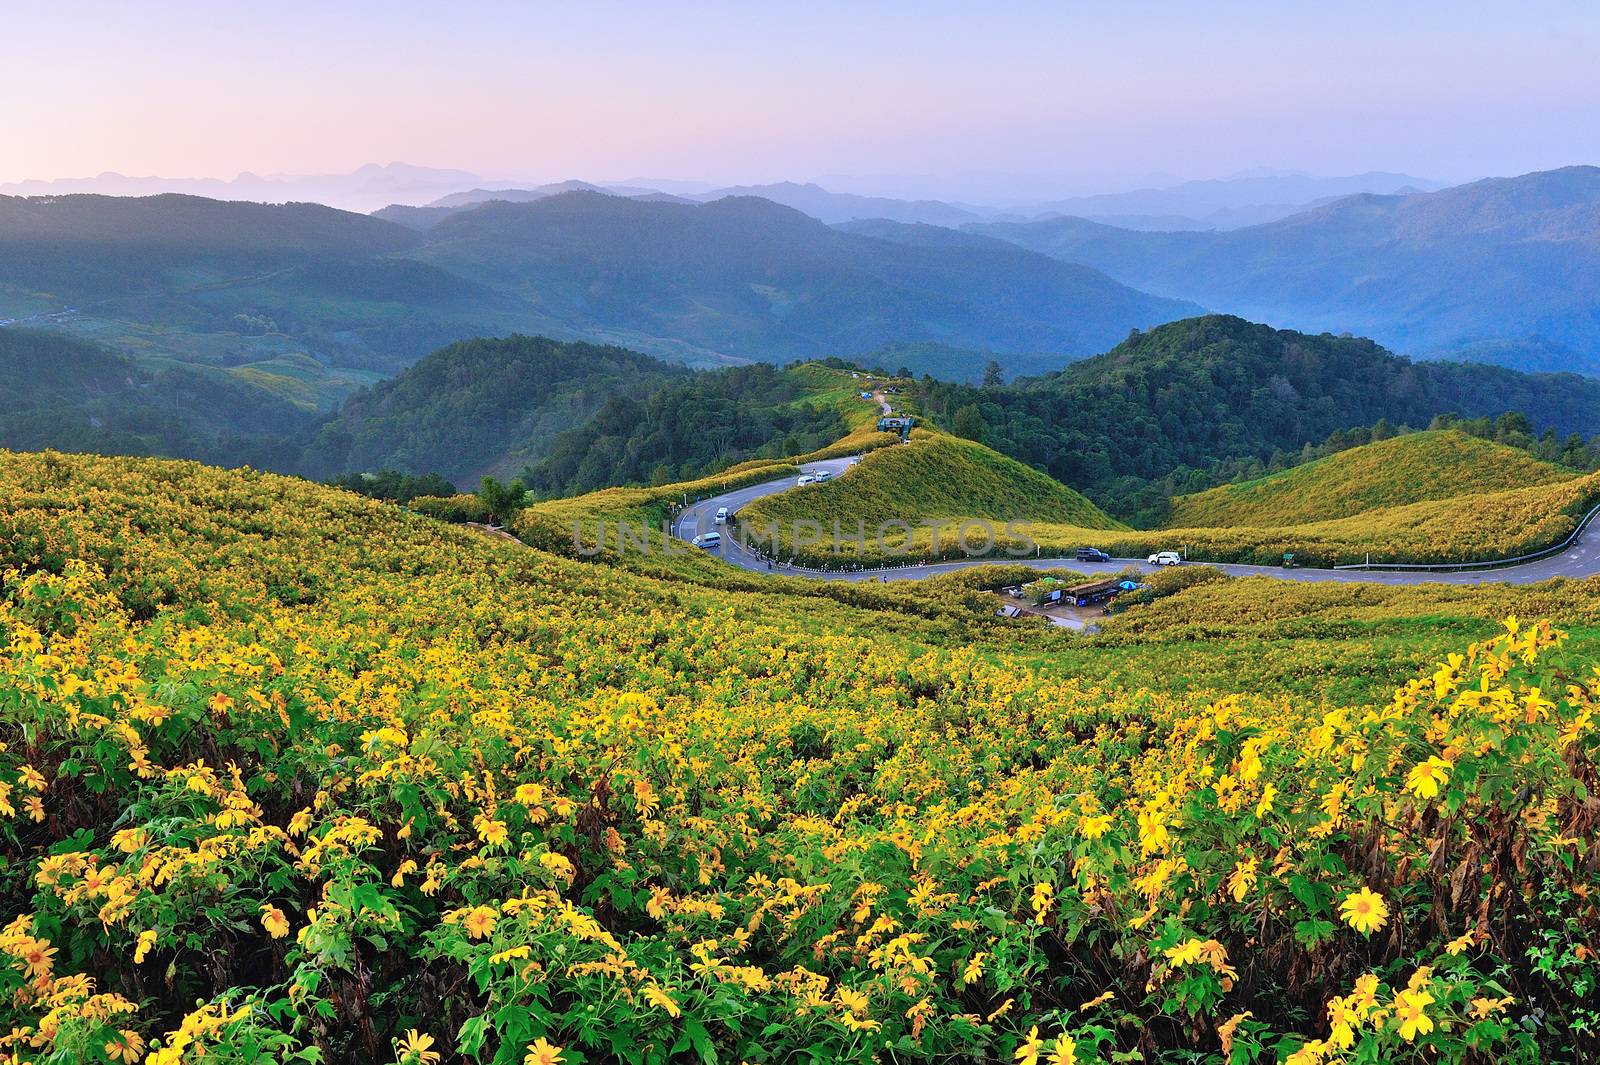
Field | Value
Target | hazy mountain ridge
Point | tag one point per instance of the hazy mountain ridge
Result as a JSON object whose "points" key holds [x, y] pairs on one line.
{"points": [[736, 280], [1505, 262]]}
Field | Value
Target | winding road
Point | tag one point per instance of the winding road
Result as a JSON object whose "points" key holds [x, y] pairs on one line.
{"points": [[1581, 559]]}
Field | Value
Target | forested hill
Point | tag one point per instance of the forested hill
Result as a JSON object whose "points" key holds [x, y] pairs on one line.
{"points": [[691, 428], [481, 406], [1178, 407], [57, 392]]}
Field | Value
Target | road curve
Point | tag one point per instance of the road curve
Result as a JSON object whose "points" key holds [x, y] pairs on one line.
{"points": [[1582, 559]]}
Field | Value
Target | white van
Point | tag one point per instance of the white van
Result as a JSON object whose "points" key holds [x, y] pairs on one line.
{"points": [[722, 515], [824, 475], [805, 479], [708, 539]]}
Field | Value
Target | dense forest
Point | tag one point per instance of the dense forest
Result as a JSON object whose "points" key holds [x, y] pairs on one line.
{"points": [[1207, 400], [688, 429], [481, 406]]}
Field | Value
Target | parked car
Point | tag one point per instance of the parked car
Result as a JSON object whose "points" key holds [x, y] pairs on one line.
{"points": [[1165, 558], [805, 479], [708, 539], [1091, 554], [722, 515]]}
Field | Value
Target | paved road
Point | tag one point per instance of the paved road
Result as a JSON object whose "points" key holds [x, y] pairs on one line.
{"points": [[1582, 559]]}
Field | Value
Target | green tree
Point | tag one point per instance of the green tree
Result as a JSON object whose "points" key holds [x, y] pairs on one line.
{"points": [[993, 377], [501, 500], [968, 422]]}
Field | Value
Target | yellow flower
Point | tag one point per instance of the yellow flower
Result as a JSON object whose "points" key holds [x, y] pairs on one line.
{"points": [[661, 1000], [1042, 894], [1425, 780], [1064, 1051], [125, 1046], [1264, 807], [853, 1000], [417, 1048], [1094, 826], [1186, 953], [974, 968], [1227, 1028], [479, 922], [1483, 1007], [1242, 879], [1462, 943], [543, 1053], [1409, 1010], [1099, 1000], [493, 833], [273, 920], [1028, 1052], [141, 949], [1364, 910]]}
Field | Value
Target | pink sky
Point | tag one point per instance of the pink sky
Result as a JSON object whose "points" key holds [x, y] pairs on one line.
{"points": [[1068, 96]]}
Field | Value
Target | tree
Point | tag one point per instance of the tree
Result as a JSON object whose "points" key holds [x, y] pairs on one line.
{"points": [[967, 422], [992, 375], [501, 500]]}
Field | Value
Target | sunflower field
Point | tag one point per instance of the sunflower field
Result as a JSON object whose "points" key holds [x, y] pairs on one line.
{"points": [[289, 775]]}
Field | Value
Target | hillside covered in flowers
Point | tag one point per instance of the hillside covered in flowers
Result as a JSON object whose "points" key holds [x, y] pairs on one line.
{"points": [[288, 775]]}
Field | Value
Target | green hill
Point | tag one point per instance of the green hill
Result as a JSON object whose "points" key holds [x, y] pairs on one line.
{"points": [[933, 478], [1185, 405], [481, 406], [700, 425], [1406, 469]]}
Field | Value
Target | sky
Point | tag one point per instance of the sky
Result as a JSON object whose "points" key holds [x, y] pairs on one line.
{"points": [[981, 101]]}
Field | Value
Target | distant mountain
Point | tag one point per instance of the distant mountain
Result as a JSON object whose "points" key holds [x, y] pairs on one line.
{"points": [[430, 215], [480, 406], [1505, 269], [365, 189], [473, 197], [1225, 203], [833, 207], [736, 280], [743, 277], [1189, 403]]}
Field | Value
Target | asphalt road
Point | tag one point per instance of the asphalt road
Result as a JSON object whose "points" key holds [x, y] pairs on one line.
{"points": [[1582, 559]]}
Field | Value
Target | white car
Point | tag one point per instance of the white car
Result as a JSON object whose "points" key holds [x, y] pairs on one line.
{"points": [[1165, 558], [805, 479], [722, 515], [708, 539]]}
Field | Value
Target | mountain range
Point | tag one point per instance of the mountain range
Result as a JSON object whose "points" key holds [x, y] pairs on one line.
{"points": [[1504, 270], [736, 280], [364, 189]]}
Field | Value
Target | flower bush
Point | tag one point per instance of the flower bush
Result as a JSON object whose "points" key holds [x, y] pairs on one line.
{"points": [[290, 775]]}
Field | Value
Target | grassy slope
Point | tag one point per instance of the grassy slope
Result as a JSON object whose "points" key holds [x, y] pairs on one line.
{"points": [[934, 476], [1406, 469], [381, 670]]}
